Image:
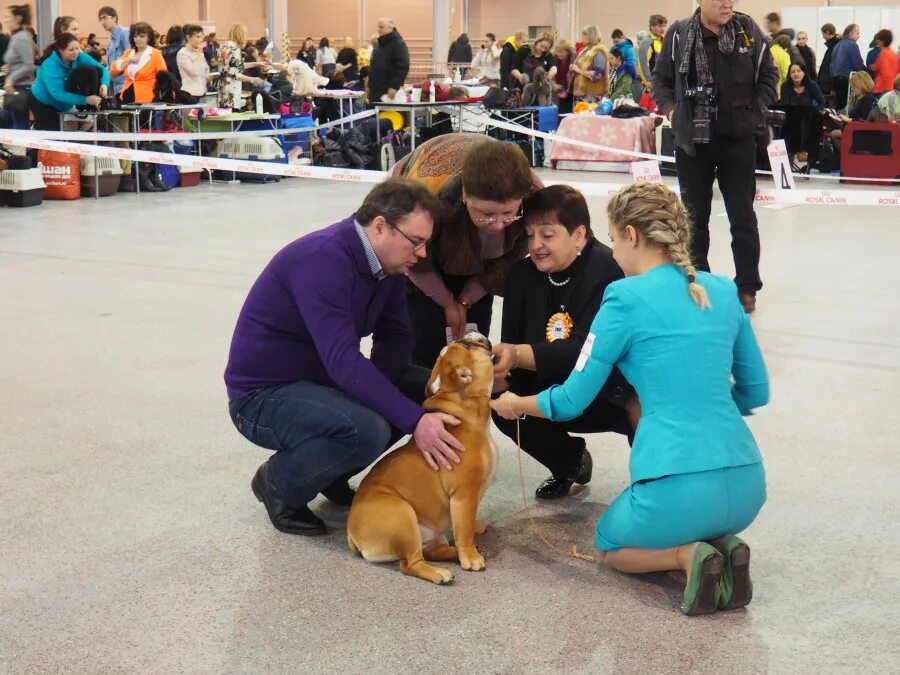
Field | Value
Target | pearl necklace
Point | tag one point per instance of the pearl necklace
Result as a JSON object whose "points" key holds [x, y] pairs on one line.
{"points": [[558, 283]]}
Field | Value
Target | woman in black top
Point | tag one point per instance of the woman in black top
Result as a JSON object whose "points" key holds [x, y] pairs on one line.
{"points": [[551, 299], [348, 64], [799, 89], [307, 53], [529, 58], [862, 85], [801, 99]]}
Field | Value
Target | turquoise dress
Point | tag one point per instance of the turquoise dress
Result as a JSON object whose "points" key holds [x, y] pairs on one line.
{"points": [[696, 471]]}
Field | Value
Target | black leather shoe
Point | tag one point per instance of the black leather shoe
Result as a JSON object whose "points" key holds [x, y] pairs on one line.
{"points": [[340, 492], [555, 488], [285, 518]]}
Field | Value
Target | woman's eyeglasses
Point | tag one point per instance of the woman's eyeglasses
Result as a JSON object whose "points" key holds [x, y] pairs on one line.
{"points": [[490, 220]]}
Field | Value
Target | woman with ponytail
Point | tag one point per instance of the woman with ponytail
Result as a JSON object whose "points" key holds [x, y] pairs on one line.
{"points": [[61, 64], [683, 340]]}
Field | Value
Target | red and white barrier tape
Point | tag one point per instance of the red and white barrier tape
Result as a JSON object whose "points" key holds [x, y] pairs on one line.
{"points": [[125, 137], [41, 140], [195, 162]]}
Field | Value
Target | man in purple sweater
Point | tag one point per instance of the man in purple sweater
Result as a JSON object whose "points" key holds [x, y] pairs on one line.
{"points": [[297, 382]]}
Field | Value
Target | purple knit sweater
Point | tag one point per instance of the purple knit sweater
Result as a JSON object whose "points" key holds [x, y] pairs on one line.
{"points": [[304, 318]]}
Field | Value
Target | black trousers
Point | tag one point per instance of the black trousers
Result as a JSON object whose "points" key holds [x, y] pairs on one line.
{"points": [[733, 162], [802, 131], [429, 325], [841, 90], [550, 443], [46, 118]]}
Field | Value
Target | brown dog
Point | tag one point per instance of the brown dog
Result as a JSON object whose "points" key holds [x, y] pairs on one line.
{"points": [[403, 508]]}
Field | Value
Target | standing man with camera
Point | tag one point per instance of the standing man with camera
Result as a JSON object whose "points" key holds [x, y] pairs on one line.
{"points": [[714, 79]]}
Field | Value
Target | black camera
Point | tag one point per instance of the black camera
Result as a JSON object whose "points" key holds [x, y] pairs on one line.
{"points": [[704, 101]]}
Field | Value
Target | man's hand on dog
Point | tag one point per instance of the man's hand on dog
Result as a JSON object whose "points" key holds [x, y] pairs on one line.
{"points": [[436, 443]]}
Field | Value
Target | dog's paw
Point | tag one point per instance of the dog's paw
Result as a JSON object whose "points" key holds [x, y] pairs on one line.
{"points": [[480, 528], [472, 561], [442, 576]]}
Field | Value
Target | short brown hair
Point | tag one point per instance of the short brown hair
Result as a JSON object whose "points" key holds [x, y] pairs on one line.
{"points": [[828, 28], [394, 199], [783, 41], [192, 29], [773, 17], [886, 37], [496, 171], [658, 20], [108, 11], [142, 28], [566, 204]]}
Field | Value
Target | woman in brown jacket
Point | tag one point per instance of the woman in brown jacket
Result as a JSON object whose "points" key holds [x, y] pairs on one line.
{"points": [[481, 183]]}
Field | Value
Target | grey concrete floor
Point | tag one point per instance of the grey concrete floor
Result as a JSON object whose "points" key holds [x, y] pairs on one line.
{"points": [[132, 543]]}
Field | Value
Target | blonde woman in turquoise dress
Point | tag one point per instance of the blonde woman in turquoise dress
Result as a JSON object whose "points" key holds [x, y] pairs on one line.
{"points": [[683, 340]]}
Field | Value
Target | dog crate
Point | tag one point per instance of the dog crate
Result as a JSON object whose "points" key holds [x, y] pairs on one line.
{"points": [[254, 149], [189, 176], [108, 176], [20, 188], [870, 150]]}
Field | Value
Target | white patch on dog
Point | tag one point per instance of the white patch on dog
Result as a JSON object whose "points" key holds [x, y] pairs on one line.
{"points": [[435, 385], [429, 536], [378, 557], [495, 455]]}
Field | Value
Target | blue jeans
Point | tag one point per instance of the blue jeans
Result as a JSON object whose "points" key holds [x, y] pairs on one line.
{"points": [[319, 434]]}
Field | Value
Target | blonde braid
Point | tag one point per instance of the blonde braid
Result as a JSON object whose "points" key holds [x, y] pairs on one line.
{"points": [[657, 212]]}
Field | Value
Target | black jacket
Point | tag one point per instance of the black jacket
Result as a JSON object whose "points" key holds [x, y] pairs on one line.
{"points": [[529, 303], [348, 57], [826, 82], [507, 56], [460, 52], [809, 61], [389, 67], [747, 84], [308, 56], [170, 54]]}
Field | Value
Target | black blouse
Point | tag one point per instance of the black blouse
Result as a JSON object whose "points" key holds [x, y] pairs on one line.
{"points": [[531, 300]]}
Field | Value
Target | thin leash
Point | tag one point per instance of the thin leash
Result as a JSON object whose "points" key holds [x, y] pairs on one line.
{"points": [[574, 552]]}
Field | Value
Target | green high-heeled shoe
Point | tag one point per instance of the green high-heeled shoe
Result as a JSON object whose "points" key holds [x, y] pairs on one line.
{"points": [[702, 590], [736, 590]]}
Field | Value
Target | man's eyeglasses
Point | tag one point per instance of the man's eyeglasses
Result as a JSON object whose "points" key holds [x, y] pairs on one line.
{"points": [[490, 220], [417, 244]]}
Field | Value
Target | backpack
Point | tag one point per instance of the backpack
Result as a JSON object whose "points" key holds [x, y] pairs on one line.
{"points": [[495, 97]]}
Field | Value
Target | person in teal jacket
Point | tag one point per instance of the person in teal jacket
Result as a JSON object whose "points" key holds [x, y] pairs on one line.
{"points": [[682, 339], [49, 95]]}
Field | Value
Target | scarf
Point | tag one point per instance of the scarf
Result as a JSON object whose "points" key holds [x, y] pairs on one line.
{"points": [[694, 47]]}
